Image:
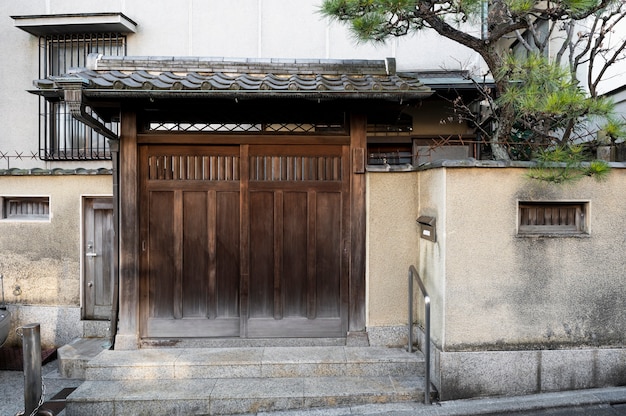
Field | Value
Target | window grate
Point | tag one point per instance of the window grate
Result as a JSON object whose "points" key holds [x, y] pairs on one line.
{"points": [[61, 137], [552, 217], [227, 127], [25, 208]]}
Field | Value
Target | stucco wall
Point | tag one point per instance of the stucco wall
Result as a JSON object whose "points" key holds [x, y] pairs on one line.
{"points": [[510, 314], [391, 245], [490, 288], [520, 292], [40, 260]]}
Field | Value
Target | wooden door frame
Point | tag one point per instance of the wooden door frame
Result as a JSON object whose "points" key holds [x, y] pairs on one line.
{"points": [[128, 334]]}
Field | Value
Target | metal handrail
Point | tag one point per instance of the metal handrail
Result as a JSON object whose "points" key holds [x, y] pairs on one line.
{"points": [[412, 274]]}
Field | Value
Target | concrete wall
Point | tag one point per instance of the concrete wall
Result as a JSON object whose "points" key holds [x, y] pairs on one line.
{"points": [[510, 314], [41, 260]]}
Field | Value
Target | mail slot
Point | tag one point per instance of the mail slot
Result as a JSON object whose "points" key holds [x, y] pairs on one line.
{"points": [[427, 228]]}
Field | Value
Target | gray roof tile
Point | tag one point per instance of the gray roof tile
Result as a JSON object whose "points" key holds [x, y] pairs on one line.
{"points": [[303, 77]]}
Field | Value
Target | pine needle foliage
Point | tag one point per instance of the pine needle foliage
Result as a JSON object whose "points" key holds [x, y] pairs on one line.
{"points": [[546, 99], [566, 164]]}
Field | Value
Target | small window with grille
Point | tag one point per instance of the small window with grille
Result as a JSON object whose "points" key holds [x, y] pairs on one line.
{"points": [[552, 218], [62, 137], [25, 208]]}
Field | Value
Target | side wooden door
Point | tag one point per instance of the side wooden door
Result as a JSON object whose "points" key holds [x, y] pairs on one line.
{"points": [[98, 234]]}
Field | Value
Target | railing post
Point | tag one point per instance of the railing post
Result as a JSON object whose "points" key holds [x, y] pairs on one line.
{"points": [[412, 274], [410, 310], [31, 346]]}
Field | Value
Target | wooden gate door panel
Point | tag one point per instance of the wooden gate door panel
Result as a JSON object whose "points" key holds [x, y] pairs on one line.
{"points": [[245, 240], [98, 259], [297, 228], [191, 204]]}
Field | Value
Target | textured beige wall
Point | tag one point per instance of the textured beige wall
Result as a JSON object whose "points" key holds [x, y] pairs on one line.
{"points": [[505, 290], [391, 245], [43, 257], [490, 289]]}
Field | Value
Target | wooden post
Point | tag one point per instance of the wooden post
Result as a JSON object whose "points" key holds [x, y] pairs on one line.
{"points": [[128, 329], [358, 146]]}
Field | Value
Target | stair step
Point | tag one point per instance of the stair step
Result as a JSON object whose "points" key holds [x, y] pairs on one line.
{"points": [[218, 381], [269, 362], [237, 395]]}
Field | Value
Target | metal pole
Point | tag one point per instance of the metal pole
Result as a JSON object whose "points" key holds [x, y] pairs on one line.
{"points": [[32, 367], [410, 349]]}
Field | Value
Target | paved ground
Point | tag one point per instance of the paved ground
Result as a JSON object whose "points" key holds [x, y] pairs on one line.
{"points": [[596, 402], [12, 387]]}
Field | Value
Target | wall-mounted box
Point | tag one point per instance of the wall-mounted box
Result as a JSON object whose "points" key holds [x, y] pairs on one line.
{"points": [[427, 228]]}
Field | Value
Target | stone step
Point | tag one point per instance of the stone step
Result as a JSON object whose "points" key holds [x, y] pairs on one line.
{"points": [[250, 363], [223, 396], [73, 357]]}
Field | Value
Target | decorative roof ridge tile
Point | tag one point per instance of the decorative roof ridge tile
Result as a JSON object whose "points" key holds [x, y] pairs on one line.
{"points": [[239, 65]]}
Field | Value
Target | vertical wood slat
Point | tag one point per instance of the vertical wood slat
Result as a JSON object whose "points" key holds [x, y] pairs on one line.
{"points": [[311, 256], [244, 241], [552, 217], [278, 253], [178, 254], [212, 248]]}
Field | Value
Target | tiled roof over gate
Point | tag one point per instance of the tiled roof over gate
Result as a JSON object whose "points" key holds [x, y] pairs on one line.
{"points": [[193, 76]]}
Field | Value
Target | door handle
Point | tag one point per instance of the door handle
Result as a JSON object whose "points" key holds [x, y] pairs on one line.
{"points": [[90, 252]]}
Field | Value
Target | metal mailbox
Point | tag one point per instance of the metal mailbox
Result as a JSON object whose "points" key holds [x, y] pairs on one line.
{"points": [[427, 228]]}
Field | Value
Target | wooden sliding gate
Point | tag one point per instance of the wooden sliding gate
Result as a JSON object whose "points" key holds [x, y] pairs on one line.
{"points": [[244, 240]]}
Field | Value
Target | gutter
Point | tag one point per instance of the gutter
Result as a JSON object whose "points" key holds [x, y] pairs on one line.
{"points": [[73, 96]]}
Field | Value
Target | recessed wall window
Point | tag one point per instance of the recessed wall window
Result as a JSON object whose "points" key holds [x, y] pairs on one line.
{"points": [[552, 218], [25, 208]]}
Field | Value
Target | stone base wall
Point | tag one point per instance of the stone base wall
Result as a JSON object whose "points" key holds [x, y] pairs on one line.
{"points": [[59, 325], [469, 374]]}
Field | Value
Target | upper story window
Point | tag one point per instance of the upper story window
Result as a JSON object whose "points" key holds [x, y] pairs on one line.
{"points": [[61, 137], [65, 40]]}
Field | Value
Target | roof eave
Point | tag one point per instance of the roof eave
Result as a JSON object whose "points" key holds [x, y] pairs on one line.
{"points": [[95, 94]]}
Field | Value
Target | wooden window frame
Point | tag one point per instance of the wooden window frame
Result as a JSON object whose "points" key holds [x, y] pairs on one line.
{"points": [[552, 218], [40, 212]]}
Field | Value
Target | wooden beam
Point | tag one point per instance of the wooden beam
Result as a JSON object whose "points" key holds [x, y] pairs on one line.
{"points": [[128, 332], [358, 146]]}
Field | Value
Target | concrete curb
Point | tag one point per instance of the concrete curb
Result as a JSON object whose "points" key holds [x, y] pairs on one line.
{"points": [[483, 406]]}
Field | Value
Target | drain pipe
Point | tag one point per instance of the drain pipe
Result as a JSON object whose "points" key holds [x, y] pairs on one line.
{"points": [[31, 345]]}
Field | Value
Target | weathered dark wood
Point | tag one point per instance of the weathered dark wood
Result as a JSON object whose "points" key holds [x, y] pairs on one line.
{"points": [[297, 218], [227, 255], [358, 134], [294, 265], [213, 138], [249, 233], [245, 240], [196, 254], [261, 298], [129, 258], [328, 254], [191, 204]]}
